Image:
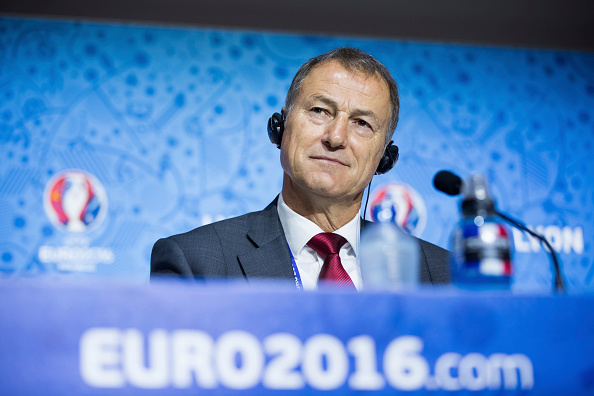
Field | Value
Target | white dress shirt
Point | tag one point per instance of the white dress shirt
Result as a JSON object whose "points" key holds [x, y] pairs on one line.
{"points": [[299, 230]]}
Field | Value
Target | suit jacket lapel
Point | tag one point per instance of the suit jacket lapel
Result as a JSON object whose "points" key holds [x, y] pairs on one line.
{"points": [[270, 258]]}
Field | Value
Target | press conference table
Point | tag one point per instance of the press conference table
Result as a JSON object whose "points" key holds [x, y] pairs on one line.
{"points": [[175, 337]]}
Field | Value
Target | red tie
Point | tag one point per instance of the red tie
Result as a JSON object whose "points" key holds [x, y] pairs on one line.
{"points": [[327, 245]]}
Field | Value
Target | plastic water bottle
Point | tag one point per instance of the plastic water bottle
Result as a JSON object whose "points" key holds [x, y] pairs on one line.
{"points": [[389, 257], [481, 253]]}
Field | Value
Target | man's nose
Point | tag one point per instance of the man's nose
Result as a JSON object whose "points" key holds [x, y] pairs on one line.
{"points": [[336, 132]]}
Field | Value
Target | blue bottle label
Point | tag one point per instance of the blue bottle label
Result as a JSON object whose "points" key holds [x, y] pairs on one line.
{"points": [[481, 252]]}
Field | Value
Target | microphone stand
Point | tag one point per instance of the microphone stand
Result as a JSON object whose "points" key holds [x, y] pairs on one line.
{"points": [[559, 284]]}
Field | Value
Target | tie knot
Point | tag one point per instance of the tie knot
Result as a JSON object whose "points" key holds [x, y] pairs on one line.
{"points": [[326, 243]]}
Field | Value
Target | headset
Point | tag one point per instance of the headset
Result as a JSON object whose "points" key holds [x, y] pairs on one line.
{"points": [[276, 127]]}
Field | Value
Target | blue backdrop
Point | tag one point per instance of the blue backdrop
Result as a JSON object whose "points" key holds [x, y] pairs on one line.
{"points": [[112, 136]]}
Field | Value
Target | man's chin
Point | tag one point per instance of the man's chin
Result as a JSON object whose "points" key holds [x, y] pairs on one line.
{"points": [[323, 185], [331, 192]]}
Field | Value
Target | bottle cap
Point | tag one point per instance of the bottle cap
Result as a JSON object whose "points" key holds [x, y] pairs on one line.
{"points": [[385, 214], [477, 199]]}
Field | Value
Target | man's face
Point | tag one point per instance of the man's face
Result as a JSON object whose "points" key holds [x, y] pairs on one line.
{"points": [[335, 133]]}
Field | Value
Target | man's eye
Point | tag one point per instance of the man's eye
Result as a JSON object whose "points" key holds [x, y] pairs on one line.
{"points": [[317, 110], [363, 123]]}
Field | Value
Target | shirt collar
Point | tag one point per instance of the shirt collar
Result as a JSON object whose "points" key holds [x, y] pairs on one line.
{"points": [[299, 230]]}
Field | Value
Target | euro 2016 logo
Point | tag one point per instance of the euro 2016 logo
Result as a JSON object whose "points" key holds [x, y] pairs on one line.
{"points": [[75, 201], [405, 202]]}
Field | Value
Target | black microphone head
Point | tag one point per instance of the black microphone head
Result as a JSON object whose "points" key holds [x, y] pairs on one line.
{"points": [[447, 182]]}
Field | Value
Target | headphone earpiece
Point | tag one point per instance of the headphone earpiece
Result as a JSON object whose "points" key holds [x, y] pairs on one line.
{"points": [[388, 160], [276, 127]]}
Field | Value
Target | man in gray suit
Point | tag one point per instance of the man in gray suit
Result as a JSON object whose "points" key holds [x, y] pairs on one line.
{"points": [[334, 134]]}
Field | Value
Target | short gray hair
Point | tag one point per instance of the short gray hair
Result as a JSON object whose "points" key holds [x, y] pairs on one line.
{"points": [[352, 59]]}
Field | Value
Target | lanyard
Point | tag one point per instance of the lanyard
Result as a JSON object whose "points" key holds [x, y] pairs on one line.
{"points": [[295, 271]]}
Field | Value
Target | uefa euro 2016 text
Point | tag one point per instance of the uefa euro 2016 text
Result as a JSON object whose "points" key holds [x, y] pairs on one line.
{"points": [[114, 358]]}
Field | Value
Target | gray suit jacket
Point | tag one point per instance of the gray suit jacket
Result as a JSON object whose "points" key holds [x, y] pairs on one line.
{"points": [[253, 246]]}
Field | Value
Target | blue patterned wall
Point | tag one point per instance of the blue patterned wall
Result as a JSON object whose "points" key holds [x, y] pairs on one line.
{"points": [[166, 129]]}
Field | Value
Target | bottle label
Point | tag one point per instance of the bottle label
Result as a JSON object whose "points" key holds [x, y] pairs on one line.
{"points": [[482, 250]]}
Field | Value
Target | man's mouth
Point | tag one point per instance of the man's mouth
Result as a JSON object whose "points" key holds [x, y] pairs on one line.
{"points": [[328, 159]]}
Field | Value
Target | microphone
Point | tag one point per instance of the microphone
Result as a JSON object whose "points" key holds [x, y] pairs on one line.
{"points": [[451, 184], [447, 182]]}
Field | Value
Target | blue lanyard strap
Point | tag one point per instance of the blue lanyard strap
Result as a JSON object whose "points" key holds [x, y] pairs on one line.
{"points": [[295, 271]]}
